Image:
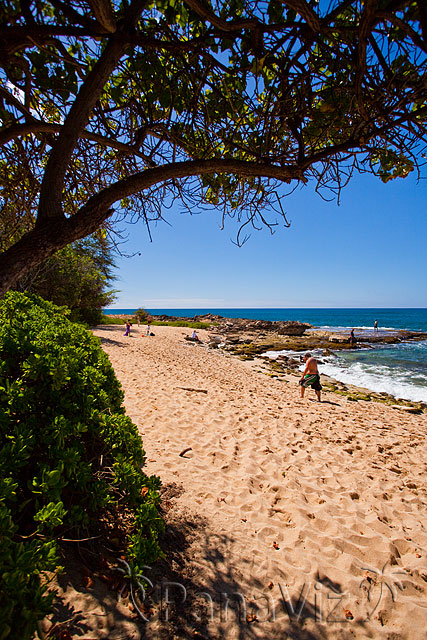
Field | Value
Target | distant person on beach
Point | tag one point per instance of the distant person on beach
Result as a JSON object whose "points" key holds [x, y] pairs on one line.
{"points": [[352, 338], [194, 336], [138, 319], [128, 326], [148, 328], [310, 376], [376, 325]]}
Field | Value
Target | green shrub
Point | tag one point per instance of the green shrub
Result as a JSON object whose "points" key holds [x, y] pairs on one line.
{"points": [[111, 320], [89, 316], [76, 276], [68, 454], [181, 323], [144, 316]]}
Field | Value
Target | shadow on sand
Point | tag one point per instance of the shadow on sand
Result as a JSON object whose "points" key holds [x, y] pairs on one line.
{"points": [[195, 592], [108, 331]]}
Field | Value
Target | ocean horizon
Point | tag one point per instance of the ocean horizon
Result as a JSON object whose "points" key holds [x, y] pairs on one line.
{"points": [[411, 318]]}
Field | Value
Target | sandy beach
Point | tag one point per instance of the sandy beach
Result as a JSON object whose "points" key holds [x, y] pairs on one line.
{"points": [[286, 517]]}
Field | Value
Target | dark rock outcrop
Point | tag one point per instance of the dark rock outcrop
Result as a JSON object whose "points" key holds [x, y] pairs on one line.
{"points": [[245, 325]]}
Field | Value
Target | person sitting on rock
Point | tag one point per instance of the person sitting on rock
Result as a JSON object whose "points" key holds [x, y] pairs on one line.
{"points": [[193, 338]]}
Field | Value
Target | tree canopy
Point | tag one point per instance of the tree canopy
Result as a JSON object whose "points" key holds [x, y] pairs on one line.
{"points": [[121, 108]]}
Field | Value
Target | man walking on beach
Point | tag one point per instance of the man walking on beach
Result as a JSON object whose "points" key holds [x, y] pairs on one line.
{"points": [[310, 376]]}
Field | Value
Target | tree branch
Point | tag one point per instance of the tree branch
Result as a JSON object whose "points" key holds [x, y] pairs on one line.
{"points": [[10, 98], [186, 169], [422, 9], [104, 14], [206, 13], [75, 122], [18, 130], [306, 12], [363, 138]]}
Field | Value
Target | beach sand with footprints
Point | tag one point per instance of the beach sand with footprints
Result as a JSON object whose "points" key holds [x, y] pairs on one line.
{"points": [[285, 517]]}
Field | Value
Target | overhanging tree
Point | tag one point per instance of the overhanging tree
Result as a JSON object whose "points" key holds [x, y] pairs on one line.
{"points": [[121, 108]]}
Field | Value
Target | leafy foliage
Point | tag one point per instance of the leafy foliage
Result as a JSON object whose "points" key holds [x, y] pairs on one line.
{"points": [[68, 453], [211, 104], [182, 323], [142, 313], [76, 277], [106, 319]]}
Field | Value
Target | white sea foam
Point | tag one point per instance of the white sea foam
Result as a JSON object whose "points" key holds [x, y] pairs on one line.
{"points": [[274, 354], [377, 377], [396, 382]]}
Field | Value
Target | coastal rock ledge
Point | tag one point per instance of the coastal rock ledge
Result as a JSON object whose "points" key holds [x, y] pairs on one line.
{"points": [[242, 325]]}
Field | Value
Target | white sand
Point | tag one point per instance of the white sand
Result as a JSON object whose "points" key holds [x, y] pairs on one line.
{"points": [[284, 496]]}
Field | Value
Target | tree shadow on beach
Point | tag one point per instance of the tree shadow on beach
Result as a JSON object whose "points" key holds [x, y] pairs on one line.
{"points": [[199, 590], [206, 599], [86, 599], [107, 340]]}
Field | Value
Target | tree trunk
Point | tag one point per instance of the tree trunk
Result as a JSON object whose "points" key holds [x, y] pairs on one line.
{"points": [[42, 242]]}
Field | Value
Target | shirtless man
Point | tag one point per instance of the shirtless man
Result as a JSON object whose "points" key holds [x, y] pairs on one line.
{"points": [[310, 376]]}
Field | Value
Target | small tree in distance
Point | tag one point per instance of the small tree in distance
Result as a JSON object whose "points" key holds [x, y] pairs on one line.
{"points": [[143, 315], [112, 109]]}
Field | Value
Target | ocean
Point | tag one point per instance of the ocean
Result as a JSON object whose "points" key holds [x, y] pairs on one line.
{"points": [[400, 369]]}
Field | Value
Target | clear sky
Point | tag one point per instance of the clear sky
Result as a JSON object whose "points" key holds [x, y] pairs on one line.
{"points": [[368, 252]]}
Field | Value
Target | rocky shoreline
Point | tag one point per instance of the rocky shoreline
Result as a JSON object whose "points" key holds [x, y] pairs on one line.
{"points": [[256, 336], [250, 339]]}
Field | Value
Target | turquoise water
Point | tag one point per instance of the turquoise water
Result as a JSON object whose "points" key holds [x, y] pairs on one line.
{"points": [[400, 370], [413, 319]]}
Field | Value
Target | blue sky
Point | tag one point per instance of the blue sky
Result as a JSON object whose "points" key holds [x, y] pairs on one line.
{"points": [[368, 252]]}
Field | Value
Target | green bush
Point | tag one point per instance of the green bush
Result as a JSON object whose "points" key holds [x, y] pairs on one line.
{"points": [[181, 323], [111, 320], [144, 316], [89, 316], [77, 277], [68, 454]]}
